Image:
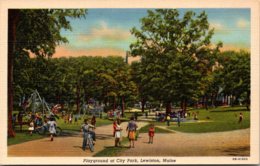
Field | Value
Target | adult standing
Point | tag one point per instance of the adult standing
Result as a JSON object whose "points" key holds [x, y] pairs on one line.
{"points": [[85, 128], [52, 127], [131, 128]]}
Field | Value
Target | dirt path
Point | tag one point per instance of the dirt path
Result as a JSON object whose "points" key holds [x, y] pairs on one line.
{"points": [[66, 145], [171, 144], [231, 143]]}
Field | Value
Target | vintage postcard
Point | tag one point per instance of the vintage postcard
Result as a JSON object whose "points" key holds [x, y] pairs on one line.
{"points": [[140, 82]]}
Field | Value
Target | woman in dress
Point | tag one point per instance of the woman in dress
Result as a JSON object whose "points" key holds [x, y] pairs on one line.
{"points": [[131, 128]]}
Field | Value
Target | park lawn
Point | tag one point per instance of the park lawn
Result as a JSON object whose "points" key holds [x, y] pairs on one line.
{"points": [[21, 137], [112, 151], [219, 119], [76, 126]]}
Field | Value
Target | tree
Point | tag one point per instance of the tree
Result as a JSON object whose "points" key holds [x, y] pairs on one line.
{"points": [[235, 73], [138, 76], [171, 48], [35, 31]]}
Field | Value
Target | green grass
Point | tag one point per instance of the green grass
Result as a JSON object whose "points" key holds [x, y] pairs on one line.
{"points": [[76, 126], [220, 119], [24, 136], [112, 151], [21, 137]]}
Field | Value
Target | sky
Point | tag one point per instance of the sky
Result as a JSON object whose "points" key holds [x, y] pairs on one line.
{"points": [[107, 31]]}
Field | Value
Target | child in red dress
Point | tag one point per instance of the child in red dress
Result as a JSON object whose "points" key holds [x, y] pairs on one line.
{"points": [[151, 133]]}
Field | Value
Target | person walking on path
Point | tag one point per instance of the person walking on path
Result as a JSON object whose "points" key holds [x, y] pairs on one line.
{"points": [[117, 133], [86, 128], [131, 128], [151, 133], [52, 127]]}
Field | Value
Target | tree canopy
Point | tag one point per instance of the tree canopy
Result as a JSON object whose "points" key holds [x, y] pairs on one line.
{"points": [[174, 51], [36, 31]]}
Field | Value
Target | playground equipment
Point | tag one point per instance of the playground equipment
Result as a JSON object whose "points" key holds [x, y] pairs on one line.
{"points": [[93, 109], [42, 130], [38, 104], [96, 111]]}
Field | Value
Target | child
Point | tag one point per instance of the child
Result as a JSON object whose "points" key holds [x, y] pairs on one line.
{"points": [[240, 117], [52, 127], [31, 128], [151, 133], [117, 133]]}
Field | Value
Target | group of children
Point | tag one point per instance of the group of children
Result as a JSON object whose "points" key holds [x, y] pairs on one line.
{"points": [[132, 132]]}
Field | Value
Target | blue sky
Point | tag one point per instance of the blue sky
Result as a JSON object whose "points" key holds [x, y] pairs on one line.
{"points": [[107, 31]]}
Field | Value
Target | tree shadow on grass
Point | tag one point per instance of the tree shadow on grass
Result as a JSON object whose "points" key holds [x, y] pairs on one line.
{"points": [[230, 110], [103, 136], [110, 151]]}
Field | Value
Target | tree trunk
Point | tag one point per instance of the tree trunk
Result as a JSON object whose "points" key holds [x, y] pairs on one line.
{"points": [[143, 104], [114, 103], [184, 107], [168, 108], [248, 101], [232, 100], [78, 99], [123, 106], [211, 99], [13, 16], [227, 100], [215, 103], [206, 102]]}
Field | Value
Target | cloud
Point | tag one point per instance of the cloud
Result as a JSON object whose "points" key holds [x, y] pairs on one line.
{"points": [[219, 27], [103, 32], [242, 23]]}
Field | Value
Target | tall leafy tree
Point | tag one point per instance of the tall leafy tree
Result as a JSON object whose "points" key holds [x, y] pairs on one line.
{"points": [[235, 74], [171, 48], [35, 31]]}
